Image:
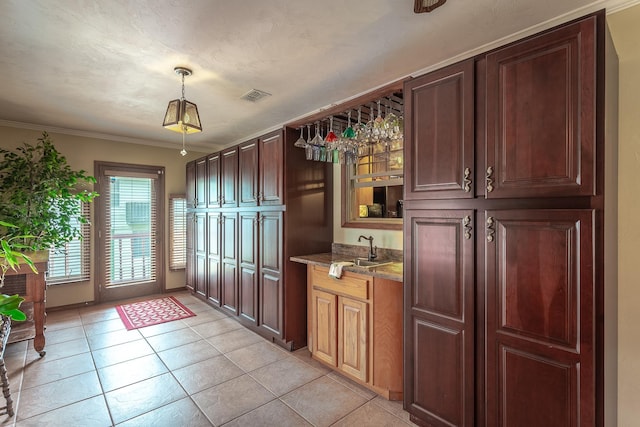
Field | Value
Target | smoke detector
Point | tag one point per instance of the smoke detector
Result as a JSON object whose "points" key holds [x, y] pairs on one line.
{"points": [[255, 95]]}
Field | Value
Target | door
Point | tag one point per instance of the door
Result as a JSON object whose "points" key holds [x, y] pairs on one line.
{"points": [[213, 257], [229, 269], [229, 178], [201, 183], [541, 97], [440, 123], [191, 185], [324, 327], [439, 316], [248, 264], [200, 244], [353, 342], [213, 180], [271, 263], [248, 173], [540, 327], [271, 172], [129, 223]]}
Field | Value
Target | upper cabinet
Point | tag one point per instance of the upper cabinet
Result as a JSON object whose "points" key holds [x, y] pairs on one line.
{"points": [[213, 174], [229, 177], [248, 173], [201, 183], [271, 172], [531, 106], [439, 108], [541, 98]]}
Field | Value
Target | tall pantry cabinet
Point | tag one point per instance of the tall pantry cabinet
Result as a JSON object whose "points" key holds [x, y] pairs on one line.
{"points": [[504, 218], [255, 205]]}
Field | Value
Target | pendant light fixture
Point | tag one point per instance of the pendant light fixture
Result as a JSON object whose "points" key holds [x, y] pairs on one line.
{"points": [[182, 115]]}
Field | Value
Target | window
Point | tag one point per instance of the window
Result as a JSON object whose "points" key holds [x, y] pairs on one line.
{"points": [[71, 263], [372, 190], [177, 232]]}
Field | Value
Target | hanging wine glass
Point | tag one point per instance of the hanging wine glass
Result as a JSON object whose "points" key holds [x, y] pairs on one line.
{"points": [[330, 141], [317, 142], [301, 143], [377, 131], [308, 149]]}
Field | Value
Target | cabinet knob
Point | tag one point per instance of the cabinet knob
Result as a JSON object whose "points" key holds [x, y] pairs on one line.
{"points": [[491, 232], [467, 180], [489, 179]]}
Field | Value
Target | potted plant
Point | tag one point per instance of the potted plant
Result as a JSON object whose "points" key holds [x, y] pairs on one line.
{"points": [[40, 195], [10, 258]]}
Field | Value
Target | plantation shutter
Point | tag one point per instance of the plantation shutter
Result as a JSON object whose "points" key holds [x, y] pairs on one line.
{"points": [[131, 217], [177, 232], [72, 262]]}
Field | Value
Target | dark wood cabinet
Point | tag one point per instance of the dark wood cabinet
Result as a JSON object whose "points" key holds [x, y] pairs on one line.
{"points": [[229, 268], [439, 162], [191, 185], [502, 308], [214, 242], [271, 263], [440, 315], [541, 101], [248, 265], [540, 288], [271, 173], [248, 173], [200, 246], [254, 224], [229, 178], [213, 181], [201, 183]]}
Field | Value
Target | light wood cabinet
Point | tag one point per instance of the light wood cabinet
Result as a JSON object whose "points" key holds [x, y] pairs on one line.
{"points": [[354, 332]]}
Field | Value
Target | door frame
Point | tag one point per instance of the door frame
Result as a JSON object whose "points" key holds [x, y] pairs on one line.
{"points": [[124, 291]]}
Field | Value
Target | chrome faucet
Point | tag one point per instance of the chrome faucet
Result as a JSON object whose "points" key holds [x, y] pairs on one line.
{"points": [[372, 249]]}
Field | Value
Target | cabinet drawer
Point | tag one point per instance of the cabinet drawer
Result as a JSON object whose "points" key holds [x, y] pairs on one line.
{"points": [[350, 284]]}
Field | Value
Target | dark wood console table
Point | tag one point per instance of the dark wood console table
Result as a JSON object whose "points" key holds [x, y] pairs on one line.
{"points": [[31, 287]]}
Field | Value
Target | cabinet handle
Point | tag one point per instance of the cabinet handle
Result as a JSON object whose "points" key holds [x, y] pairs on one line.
{"points": [[222, 200], [490, 230], [261, 196], [195, 202], [466, 222], [489, 179], [256, 219], [467, 180], [219, 200]]}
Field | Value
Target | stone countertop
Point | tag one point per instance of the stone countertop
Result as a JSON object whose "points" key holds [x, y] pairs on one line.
{"points": [[392, 271]]}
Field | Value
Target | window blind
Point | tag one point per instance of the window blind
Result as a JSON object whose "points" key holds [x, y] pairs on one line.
{"points": [[130, 252], [177, 232], [72, 262]]}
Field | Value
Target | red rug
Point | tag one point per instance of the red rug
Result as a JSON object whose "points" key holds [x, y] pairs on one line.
{"points": [[152, 312]]}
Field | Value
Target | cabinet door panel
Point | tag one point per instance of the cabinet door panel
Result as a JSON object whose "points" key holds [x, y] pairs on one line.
{"points": [[439, 316], [271, 170], [541, 97], [191, 185], [213, 255], [191, 251], [248, 259], [201, 183], [324, 328], [439, 153], [230, 262], [213, 175], [353, 318], [229, 178], [540, 316], [271, 264], [200, 242], [248, 173]]}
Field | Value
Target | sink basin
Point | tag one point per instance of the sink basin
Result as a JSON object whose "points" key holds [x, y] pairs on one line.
{"points": [[365, 263]]}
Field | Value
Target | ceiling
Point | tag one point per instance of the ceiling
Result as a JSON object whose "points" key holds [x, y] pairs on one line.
{"points": [[105, 68]]}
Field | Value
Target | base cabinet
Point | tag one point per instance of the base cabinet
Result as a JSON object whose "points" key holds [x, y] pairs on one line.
{"points": [[355, 333]]}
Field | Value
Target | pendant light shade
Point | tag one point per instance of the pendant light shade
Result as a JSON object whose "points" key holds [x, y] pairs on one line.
{"points": [[182, 115]]}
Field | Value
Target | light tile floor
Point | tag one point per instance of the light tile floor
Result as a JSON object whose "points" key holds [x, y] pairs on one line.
{"points": [[201, 371]]}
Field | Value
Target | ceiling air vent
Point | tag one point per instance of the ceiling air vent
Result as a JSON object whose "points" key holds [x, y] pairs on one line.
{"points": [[255, 95]]}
